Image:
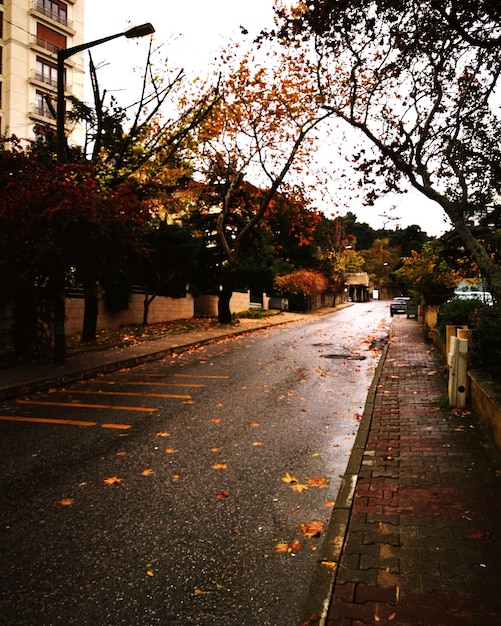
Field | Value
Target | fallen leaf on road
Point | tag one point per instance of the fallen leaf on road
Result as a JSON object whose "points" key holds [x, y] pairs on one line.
{"points": [[66, 501], [222, 494], [321, 482], [254, 424], [256, 444], [163, 434], [121, 453], [216, 420], [147, 472], [170, 450], [219, 466], [175, 478], [329, 503], [112, 480], [312, 529], [294, 546], [288, 478], [299, 487]]}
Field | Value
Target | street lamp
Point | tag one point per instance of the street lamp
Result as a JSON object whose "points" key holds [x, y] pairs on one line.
{"points": [[62, 55], [65, 53]]}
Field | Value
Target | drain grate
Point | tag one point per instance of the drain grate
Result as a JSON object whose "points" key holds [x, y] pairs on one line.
{"points": [[350, 357]]}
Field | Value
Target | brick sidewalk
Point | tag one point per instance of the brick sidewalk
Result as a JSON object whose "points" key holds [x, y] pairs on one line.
{"points": [[423, 544]]}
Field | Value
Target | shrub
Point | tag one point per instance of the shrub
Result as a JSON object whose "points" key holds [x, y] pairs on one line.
{"points": [[485, 353], [458, 312]]}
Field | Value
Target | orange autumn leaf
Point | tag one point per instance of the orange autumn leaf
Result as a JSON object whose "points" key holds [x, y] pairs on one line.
{"points": [[288, 478], [219, 466], [170, 450], [216, 420], [112, 480], [256, 444], [147, 472], [329, 503], [299, 487], [312, 529], [121, 453], [255, 424], [214, 449], [321, 482], [222, 494], [66, 501], [293, 546], [162, 434], [175, 478]]}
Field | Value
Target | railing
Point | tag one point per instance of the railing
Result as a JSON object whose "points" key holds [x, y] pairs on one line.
{"points": [[46, 45], [46, 80], [42, 110], [60, 18]]}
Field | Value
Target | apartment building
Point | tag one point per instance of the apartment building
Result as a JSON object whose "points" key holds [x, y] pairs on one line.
{"points": [[31, 33]]}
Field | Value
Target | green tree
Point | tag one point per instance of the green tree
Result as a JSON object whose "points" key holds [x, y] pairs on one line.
{"points": [[427, 274]]}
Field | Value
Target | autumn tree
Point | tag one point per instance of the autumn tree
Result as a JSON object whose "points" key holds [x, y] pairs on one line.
{"points": [[417, 80], [380, 260], [427, 274], [307, 283], [260, 132], [54, 219]]}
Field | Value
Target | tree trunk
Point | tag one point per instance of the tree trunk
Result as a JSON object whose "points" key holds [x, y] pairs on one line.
{"points": [[91, 309], [146, 307], [223, 303]]}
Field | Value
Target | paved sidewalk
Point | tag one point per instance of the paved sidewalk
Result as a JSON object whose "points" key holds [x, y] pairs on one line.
{"points": [[415, 537]]}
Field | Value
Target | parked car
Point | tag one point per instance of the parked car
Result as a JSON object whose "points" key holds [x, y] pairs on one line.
{"points": [[398, 306]]}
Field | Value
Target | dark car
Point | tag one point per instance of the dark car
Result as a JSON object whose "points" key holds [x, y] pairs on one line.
{"points": [[398, 305]]}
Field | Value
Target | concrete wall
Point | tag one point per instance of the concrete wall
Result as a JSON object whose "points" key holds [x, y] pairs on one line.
{"points": [[485, 401], [161, 310], [206, 306]]}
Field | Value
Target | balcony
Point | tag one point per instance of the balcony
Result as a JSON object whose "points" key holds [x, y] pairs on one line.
{"points": [[56, 16], [48, 81], [44, 44], [42, 110]]}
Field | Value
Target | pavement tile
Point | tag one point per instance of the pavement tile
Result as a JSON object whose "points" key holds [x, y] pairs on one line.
{"points": [[428, 496]]}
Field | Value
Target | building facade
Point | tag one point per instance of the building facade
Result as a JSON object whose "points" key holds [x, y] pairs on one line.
{"points": [[31, 33]]}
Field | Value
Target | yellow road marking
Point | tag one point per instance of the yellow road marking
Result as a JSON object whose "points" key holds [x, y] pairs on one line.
{"points": [[133, 382], [127, 393], [80, 405], [197, 376], [47, 420]]}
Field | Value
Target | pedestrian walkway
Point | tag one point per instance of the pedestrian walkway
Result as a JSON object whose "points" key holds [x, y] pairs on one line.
{"points": [[417, 536]]}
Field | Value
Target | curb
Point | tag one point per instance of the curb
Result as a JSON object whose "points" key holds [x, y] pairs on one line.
{"points": [[81, 373], [316, 607]]}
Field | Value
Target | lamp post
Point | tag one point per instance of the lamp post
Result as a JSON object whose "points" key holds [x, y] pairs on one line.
{"points": [[62, 55], [66, 53]]}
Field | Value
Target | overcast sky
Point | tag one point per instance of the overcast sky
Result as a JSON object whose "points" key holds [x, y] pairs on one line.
{"points": [[191, 32]]}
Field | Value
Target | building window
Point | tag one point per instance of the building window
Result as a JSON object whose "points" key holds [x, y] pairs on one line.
{"points": [[42, 107], [57, 11], [46, 72], [49, 39]]}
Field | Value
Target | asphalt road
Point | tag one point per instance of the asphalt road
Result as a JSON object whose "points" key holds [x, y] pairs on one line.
{"points": [[191, 490]]}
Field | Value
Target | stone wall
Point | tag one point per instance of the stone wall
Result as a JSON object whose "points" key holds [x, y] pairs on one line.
{"points": [[161, 310]]}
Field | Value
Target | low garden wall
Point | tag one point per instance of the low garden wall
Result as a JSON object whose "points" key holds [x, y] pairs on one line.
{"points": [[206, 306], [162, 309]]}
